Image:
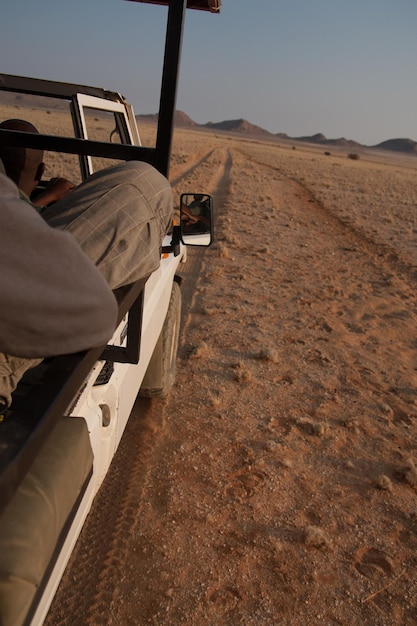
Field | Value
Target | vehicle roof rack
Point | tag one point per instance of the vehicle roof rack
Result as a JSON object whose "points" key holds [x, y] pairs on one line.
{"points": [[203, 5], [159, 156]]}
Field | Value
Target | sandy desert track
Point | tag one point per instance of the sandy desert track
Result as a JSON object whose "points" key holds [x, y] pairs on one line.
{"points": [[277, 483], [217, 164]]}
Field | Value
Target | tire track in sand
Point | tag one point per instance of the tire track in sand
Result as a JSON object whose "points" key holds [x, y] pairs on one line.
{"points": [[218, 187], [384, 255]]}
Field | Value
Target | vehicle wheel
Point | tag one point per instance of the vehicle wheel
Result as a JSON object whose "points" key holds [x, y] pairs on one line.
{"points": [[160, 375]]}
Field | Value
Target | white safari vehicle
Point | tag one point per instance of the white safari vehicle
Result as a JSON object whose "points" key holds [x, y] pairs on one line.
{"points": [[68, 416]]}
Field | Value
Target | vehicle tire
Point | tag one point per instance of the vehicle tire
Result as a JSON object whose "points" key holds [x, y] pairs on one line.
{"points": [[160, 375]]}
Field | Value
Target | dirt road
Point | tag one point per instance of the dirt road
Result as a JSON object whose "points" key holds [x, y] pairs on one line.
{"points": [[277, 483]]}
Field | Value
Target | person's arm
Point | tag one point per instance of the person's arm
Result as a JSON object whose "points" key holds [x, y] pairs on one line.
{"points": [[53, 300], [56, 189]]}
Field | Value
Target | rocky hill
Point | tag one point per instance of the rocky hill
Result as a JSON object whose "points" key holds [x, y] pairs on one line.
{"points": [[182, 120], [241, 126], [321, 139], [238, 126], [399, 145]]}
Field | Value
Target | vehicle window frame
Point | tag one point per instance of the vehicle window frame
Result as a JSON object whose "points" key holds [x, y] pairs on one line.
{"points": [[122, 113]]}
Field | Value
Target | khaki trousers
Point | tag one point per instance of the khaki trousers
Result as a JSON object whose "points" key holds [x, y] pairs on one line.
{"points": [[119, 216]]}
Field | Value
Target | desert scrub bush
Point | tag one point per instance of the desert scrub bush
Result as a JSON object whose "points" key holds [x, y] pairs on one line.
{"points": [[384, 482], [224, 252], [315, 536], [262, 251], [231, 239], [200, 351], [215, 402], [209, 311], [354, 156], [242, 373], [318, 429], [268, 354], [410, 473]]}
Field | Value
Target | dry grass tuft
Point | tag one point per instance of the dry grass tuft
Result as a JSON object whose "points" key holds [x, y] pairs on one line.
{"points": [[315, 536], [215, 401], [319, 429], [268, 354], [264, 250], [410, 473], [242, 373], [271, 445], [200, 351], [209, 311], [224, 252], [384, 483], [231, 239], [312, 428]]}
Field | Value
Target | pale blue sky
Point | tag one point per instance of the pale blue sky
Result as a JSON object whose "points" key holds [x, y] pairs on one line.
{"points": [[340, 67]]}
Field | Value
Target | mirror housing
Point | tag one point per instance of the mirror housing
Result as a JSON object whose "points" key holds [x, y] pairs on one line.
{"points": [[196, 219]]}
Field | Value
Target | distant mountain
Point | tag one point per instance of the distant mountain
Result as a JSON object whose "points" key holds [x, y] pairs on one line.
{"points": [[238, 126], [398, 145], [147, 117], [347, 143], [181, 119], [241, 126], [321, 139], [317, 138], [29, 101]]}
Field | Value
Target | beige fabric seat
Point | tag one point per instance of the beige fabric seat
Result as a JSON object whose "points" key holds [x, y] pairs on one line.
{"points": [[35, 518]]}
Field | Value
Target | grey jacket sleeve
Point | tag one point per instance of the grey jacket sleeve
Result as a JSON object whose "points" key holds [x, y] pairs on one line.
{"points": [[53, 300]]}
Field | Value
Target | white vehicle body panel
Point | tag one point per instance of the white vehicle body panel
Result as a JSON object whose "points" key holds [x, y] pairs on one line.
{"points": [[119, 396]]}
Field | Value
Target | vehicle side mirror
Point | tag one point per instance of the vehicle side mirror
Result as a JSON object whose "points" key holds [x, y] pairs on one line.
{"points": [[196, 219]]}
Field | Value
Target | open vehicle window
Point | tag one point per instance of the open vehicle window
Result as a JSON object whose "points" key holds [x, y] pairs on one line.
{"points": [[51, 116], [102, 120]]}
